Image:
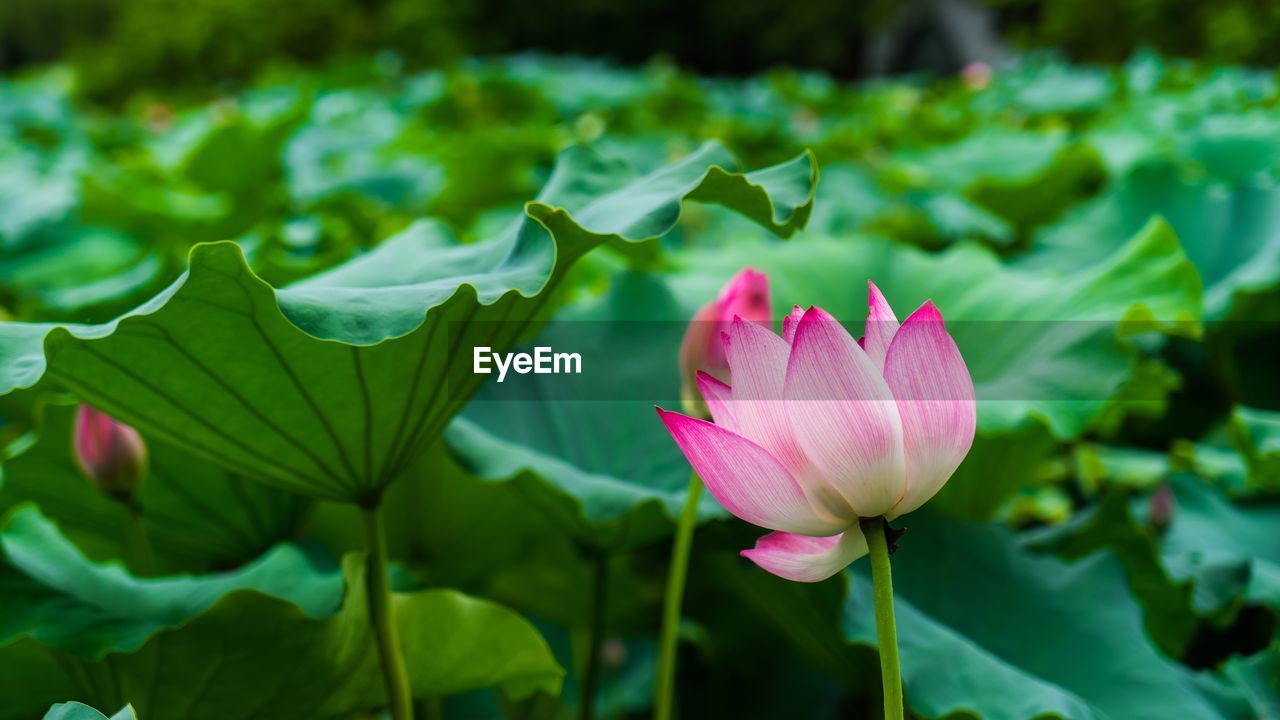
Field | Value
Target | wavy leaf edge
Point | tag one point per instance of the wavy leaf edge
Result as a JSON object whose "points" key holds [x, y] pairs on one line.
{"points": [[549, 218]]}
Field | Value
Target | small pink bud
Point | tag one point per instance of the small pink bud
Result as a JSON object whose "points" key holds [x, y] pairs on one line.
{"points": [[976, 75], [613, 653], [745, 296], [806, 121], [159, 117], [1161, 507], [110, 454]]}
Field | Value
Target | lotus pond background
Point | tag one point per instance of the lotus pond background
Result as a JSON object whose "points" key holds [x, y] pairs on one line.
{"points": [[1104, 238]]}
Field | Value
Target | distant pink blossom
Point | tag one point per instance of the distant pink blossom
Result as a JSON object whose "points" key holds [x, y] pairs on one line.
{"points": [[976, 75], [745, 296]]}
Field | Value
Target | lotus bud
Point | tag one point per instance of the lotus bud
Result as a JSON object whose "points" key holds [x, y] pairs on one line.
{"points": [[110, 453], [746, 296], [1161, 507], [976, 75]]}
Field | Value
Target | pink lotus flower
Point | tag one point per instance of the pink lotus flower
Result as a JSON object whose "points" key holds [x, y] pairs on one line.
{"points": [[745, 296], [819, 430], [110, 454]]}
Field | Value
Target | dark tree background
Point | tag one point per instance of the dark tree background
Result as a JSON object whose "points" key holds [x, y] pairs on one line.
{"points": [[121, 46]]}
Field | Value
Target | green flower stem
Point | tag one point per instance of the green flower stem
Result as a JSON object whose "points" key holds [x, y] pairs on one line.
{"points": [[599, 598], [378, 589], [144, 559], [886, 628], [664, 688]]}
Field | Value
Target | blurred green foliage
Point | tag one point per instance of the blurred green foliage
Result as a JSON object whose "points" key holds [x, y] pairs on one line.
{"points": [[119, 48]]}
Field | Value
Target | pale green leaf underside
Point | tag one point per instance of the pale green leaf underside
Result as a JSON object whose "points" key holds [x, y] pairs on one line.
{"points": [[330, 386], [210, 646], [77, 711], [1258, 677]]}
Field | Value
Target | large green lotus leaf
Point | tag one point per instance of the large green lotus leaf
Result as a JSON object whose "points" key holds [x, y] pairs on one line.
{"points": [[331, 385], [212, 175], [36, 195], [1230, 232], [1256, 436], [1037, 635], [1212, 556], [78, 270], [1027, 178], [1043, 87], [279, 638], [848, 198], [988, 630], [79, 711], [63, 599], [995, 156], [1169, 614], [43, 149], [1128, 140], [235, 150], [1230, 139], [573, 85], [1235, 147], [956, 219], [343, 149], [197, 515], [33, 679], [1099, 466], [932, 221], [1075, 173], [852, 200], [1043, 346], [1231, 551], [1258, 677], [52, 260], [169, 213], [1222, 466]]}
